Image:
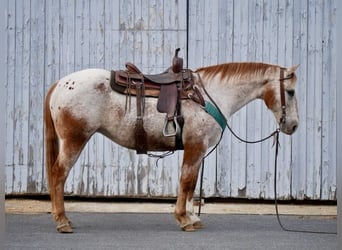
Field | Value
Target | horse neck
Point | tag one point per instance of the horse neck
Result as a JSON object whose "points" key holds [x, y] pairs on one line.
{"points": [[232, 94]]}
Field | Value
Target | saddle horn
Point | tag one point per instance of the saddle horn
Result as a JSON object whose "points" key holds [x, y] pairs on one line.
{"points": [[177, 62]]}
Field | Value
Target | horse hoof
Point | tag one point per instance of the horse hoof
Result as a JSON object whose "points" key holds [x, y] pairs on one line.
{"points": [[64, 228], [188, 228], [198, 225]]}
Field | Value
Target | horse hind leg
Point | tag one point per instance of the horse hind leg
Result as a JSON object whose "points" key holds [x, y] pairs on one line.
{"points": [[57, 182], [70, 150], [184, 212], [73, 134], [65, 137]]}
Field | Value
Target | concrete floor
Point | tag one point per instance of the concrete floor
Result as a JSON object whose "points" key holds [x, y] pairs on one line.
{"points": [[156, 231]]}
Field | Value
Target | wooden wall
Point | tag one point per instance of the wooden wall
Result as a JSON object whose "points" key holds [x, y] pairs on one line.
{"points": [[47, 39]]}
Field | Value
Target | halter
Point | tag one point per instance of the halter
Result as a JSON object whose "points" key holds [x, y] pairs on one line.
{"points": [[282, 94], [282, 97]]}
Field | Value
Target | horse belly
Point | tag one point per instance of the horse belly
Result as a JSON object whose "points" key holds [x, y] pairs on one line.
{"points": [[120, 125], [199, 127]]}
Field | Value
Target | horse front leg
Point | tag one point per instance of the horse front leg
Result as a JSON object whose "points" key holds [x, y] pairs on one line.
{"points": [[196, 221], [184, 212]]}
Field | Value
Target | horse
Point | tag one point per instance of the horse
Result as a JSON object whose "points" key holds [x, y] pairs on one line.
{"points": [[83, 103]]}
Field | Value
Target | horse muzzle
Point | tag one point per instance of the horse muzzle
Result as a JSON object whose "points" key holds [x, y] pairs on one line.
{"points": [[288, 127]]}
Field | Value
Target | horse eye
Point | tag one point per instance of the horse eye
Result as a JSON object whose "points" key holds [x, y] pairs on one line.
{"points": [[290, 92], [290, 75]]}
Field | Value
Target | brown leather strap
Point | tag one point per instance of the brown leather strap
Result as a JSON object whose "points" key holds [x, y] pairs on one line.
{"points": [[196, 96], [140, 134], [282, 95], [180, 120]]}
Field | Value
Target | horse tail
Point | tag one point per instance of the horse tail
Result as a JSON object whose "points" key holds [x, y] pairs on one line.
{"points": [[51, 138]]}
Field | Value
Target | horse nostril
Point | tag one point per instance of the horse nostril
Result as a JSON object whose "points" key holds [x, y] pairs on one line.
{"points": [[294, 128]]}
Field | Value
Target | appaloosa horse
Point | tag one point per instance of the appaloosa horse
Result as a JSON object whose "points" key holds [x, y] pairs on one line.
{"points": [[83, 103]]}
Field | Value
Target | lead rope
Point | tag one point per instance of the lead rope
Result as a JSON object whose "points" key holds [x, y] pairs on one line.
{"points": [[276, 200], [275, 134]]}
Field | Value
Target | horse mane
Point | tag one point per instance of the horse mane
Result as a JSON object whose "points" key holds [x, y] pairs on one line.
{"points": [[237, 70]]}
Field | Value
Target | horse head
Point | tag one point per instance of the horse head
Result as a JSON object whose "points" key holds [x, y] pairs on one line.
{"points": [[280, 97]]}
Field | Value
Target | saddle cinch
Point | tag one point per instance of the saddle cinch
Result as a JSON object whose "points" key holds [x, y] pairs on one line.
{"points": [[170, 87]]}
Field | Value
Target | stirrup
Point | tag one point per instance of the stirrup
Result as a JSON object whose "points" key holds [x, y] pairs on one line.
{"points": [[166, 133]]}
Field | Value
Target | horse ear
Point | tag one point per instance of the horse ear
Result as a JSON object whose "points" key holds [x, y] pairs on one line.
{"points": [[292, 69]]}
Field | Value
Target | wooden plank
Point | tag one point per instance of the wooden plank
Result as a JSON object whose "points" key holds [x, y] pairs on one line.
{"points": [[284, 52], [10, 90], [138, 37], [67, 40], [77, 182], [300, 141], [35, 97], [254, 118], [126, 30], [270, 55], [333, 164], [196, 34], [314, 100], [311, 100], [111, 61], [329, 165], [21, 99], [224, 167], [96, 60], [111, 34], [3, 72], [296, 58], [225, 31], [67, 55], [266, 123], [225, 48], [238, 121], [210, 30], [81, 23], [52, 43], [318, 94], [156, 17], [170, 17], [11, 122]]}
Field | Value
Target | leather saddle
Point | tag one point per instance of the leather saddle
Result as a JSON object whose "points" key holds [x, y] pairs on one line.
{"points": [[169, 87], [127, 81]]}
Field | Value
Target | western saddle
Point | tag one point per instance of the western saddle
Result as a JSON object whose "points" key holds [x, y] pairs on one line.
{"points": [[169, 87]]}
